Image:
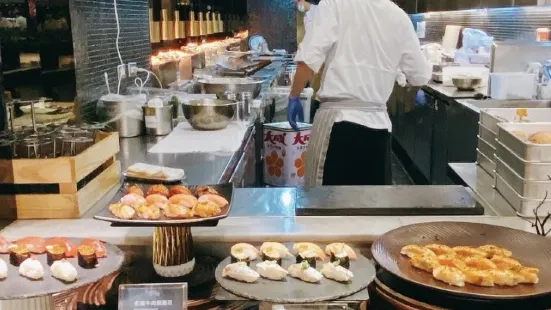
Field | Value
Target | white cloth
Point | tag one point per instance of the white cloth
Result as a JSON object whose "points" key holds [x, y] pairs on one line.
{"points": [[184, 139], [363, 44], [309, 17]]}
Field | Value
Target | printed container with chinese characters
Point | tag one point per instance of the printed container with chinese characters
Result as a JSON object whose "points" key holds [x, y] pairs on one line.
{"points": [[285, 154]]}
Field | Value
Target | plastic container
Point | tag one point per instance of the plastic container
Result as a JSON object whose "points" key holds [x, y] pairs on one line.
{"points": [[514, 85]]}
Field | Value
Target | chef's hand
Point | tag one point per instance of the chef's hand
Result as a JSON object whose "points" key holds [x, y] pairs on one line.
{"points": [[294, 110], [420, 98]]}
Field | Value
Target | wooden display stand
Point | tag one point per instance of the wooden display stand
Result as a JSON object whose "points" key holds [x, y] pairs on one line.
{"points": [[59, 188]]}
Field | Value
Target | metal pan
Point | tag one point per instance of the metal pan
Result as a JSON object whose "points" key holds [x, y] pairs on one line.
{"points": [[485, 163], [487, 135], [491, 117], [225, 190], [527, 189], [528, 248], [530, 171], [524, 206], [524, 149], [486, 148]]}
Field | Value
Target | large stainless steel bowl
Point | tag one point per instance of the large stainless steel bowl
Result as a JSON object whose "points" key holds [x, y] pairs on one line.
{"points": [[466, 83], [221, 86], [209, 114]]}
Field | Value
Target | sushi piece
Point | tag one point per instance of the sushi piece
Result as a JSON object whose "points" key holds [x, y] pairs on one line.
{"points": [[178, 212], [308, 246], [304, 272], [32, 269], [207, 209], [158, 189], [184, 200], [35, 245], [122, 211], [480, 263], [494, 250], [271, 270], [451, 260], [415, 250], [272, 254], [243, 252], [478, 277], [283, 251], [64, 271], [505, 263], [424, 262], [217, 199], [466, 251], [240, 272], [179, 189], [527, 275], [308, 256], [87, 257], [3, 269], [205, 190], [54, 253], [148, 212], [156, 200], [440, 249], [70, 248], [503, 277], [4, 245], [133, 200], [449, 275], [340, 253], [18, 254], [339, 248], [336, 272], [98, 246], [134, 189]]}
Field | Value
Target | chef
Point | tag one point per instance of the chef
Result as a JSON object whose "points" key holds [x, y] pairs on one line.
{"points": [[363, 44], [309, 11]]}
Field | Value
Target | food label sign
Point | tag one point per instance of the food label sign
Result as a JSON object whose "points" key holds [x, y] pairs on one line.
{"points": [[171, 296]]}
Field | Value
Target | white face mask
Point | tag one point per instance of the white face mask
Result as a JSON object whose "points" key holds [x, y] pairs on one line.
{"points": [[301, 7]]}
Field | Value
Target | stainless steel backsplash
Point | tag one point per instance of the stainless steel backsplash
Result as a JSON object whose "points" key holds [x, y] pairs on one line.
{"points": [[515, 56]]}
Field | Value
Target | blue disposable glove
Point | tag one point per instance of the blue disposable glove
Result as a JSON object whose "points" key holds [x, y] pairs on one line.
{"points": [[420, 98], [294, 110]]}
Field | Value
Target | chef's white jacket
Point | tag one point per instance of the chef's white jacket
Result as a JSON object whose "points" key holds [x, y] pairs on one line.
{"points": [[363, 44], [309, 17]]}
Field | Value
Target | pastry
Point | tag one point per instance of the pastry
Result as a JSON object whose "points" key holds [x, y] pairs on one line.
{"points": [[543, 137]]}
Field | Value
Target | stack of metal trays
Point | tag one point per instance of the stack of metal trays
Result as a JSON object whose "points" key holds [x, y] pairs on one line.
{"points": [[523, 168]]}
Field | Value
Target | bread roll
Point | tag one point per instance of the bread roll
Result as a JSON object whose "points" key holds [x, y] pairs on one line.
{"points": [[543, 137]]}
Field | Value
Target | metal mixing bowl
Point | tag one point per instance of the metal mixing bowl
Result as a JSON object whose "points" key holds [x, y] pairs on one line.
{"points": [[209, 114], [221, 86], [466, 83]]}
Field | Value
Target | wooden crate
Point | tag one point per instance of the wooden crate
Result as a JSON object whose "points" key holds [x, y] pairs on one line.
{"points": [[59, 188]]}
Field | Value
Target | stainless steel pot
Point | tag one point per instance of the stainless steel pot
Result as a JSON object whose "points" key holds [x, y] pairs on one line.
{"points": [[466, 83], [158, 121], [209, 114], [222, 86], [125, 117]]}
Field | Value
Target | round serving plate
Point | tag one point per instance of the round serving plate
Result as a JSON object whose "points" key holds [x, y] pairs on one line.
{"points": [[530, 249], [16, 286], [292, 290]]}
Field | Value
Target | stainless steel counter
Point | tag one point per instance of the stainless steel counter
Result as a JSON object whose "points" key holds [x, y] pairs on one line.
{"points": [[452, 92]]}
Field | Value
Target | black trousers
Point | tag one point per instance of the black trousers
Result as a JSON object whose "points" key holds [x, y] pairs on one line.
{"points": [[357, 155]]}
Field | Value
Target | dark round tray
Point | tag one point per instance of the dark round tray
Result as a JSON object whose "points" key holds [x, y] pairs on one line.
{"points": [[16, 286]]}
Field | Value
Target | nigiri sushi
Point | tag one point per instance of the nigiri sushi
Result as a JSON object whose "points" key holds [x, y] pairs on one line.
{"points": [[184, 200], [122, 211], [70, 248], [134, 189], [64, 271], [35, 245], [308, 256], [336, 272], [503, 277], [440, 249], [494, 250], [424, 262], [148, 212], [304, 272], [32, 269], [18, 254], [505, 263], [308, 246], [217, 199], [179, 189], [243, 252], [478, 277], [449, 275], [207, 209], [98, 246], [157, 200], [283, 251], [271, 270], [133, 200], [468, 251], [4, 245], [335, 248], [526, 275], [272, 254], [54, 253], [3, 269], [415, 250], [205, 190], [159, 189], [178, 212], [241, 272]]}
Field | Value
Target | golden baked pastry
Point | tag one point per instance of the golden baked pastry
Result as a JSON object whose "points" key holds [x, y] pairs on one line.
{"points": [[543, 137]]}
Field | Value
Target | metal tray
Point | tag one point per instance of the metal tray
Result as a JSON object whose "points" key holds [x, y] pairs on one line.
{"points": [[523, 205], [487, 135], [17, 287], [524, 149], [491, 117], [527, 189], [530, 171], [225, 190], [485, 163], [486, 148]]}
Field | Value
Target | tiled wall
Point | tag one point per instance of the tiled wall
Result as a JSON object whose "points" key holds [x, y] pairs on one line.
{"points": [[275, 20], [515, 23], [94, 33]]}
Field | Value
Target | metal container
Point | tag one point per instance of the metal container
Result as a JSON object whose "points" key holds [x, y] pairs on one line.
{"points": [[491, 117], [523, 205], [125, 117], [221, 86], [525, 149], [485, 163], [485, 148], [158, 121], [524, 188], [466, 83], [531, 171], [209, 114], [487, 135], [198, 60]]}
